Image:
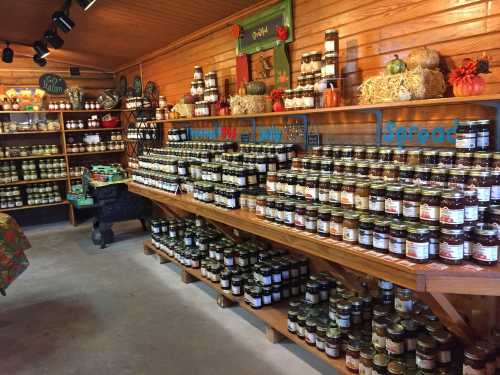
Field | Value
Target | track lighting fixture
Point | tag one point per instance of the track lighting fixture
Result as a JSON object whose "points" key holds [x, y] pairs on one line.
{"points": [[86, 4], [53, 39], [7, 54], [62, 21], [41, 49], [39, 60]]}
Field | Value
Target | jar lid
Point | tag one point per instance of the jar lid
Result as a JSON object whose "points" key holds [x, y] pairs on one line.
{"points": [[474, 353], [452, 194], [406, 168], [486, 230], [333, 333], [330, 54], [366, 219], [482, 155], [337, 212], [464, 154], [378, 186], [382, 222], [306, 54], [430, 152], [411, 190], [409, 325], [458, 171], [442, 337], [481, 122], [431, 192], [351, 215], [415, 151], [380, 359], [331, 31], [417, 229], [394, 188], [397, 226], [385, 151], [426, 341], [496, 155], [396, 368], [324, 210], [367, 352], [479, 173], [362, 184], [300, 205]]}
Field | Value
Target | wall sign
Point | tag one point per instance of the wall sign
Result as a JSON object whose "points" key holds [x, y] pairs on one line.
{"points": [[258, 31], [52, 84], [417, 133]]}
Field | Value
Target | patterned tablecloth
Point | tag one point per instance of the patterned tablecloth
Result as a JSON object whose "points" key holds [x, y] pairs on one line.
{"points": [[13, 243]]}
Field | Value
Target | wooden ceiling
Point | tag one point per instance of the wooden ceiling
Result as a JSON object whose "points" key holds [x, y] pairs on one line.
{"points": [[112, 32]]}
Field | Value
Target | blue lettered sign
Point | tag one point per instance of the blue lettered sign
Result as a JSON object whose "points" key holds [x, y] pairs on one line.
{"points": [[418, 134]]}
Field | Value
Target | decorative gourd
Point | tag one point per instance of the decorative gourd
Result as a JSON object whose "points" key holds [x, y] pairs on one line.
{"points": [[396, 65], [424, 57], [256, 88]]}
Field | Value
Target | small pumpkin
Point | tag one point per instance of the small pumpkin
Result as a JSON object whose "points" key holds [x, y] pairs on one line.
{"points": [[396, 65], [256, 88], [424, 57]]}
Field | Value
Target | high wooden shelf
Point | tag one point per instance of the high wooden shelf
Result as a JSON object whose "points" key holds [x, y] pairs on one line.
{"points": [[33, 157], [433, 277], [30, 182], [67, 111], [274, 316], [26, 207]]}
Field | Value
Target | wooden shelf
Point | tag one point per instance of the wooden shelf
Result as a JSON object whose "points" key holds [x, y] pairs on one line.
{"points": [[275, 316], [94, 153], [76, 178], [434, 277], [63, 203], [482, 99], [39, 132], [69, 111], [30, 182], [92, 130], [33, 157]]}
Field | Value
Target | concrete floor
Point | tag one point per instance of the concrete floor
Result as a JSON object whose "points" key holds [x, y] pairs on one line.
{"points": [[81, 310]]}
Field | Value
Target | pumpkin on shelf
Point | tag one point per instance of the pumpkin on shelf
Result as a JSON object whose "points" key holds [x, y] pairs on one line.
{"points": [[466, 79], [396, 65], [423, 57]]}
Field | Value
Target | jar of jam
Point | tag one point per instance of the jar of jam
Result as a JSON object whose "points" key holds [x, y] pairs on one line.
{"points": [[336, 227], [480, 181], [362, 169], [365, 236], [279, 211], [366, 360], [439, 177], [489, 349], [349, 168], [417, 244], [445, 346], [430, 157], [316, 164], [482, 160], [359, 153], [311, 219], [466, 136], [324, 189], [485, 245], [335, 191], [468, 235], [403, 302], [380, 362], [414, 157], [326, 167], [376, 198], [375, 172], [300, 188], [482, 134], [474, 361], [457, 178], [496, 161], [426, 353], [411, 203], [430, 205], [390, 173], [446, 158], [347, 194], [451, 246], [399, 155], [289, 218], [471, 207], [385, 154], [270, 208], [300, 216], [406, 174], [310, 332], [312, 189], [452, 211], [348, 153], [381, 235], [395, 342], [296, 164], [333, 347], [397, 240], [327, 151], [338, 167], [463, 159], [350, 227], [352, 356], [422, 175], [361, 196], [394, 201], [324, 217], [495, 187], [379, 333]]}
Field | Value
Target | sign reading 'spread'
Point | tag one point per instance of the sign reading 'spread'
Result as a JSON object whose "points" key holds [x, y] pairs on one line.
{"points": [[416, 134]]}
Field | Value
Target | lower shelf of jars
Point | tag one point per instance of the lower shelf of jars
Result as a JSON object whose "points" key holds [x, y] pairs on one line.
{"points": [[26, 207], [275, 316]]}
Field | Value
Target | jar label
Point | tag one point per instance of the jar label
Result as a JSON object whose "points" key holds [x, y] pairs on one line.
{"points": [[312, 298], [495, 192], [361, 203], [451, 216], [330, 45], [376, 203], [332, 351], [397, 245], [323, 226], [311, 223], [485, 253], [394, 347], [349, 234], [270, 212], [471, 213], [291, 189], [365, 237], [451, 252], [424, 363], [331, 69], [311, 193], [364, 370], [483, 193], [444, 356], [456, 185], [483, 139], [310, 337], [411, 209], [335, 229], [300, 331], [468, 370], [300, 190], [267, 299], [334, 196], [280, 215], [347, 198], [289, 217], [417, 250], [403, 306], [323, 196], [467, 249], [224, 283], [429, 213], [465, 140], [351, 362], [393, 206], [380, 240], [378, 341]]}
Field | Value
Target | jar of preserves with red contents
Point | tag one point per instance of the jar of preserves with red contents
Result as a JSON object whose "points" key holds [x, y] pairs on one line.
{"points": [[311, 193], [315, 164], [296, 164], [376, 198], [422, 175], [385, 155], [371, 153], [471, 207], [434, 233], [397, 240], [395, 342], [451, 246], [335, 191], [493, 217], [430, 204], [311, 219], [352, 355], [324, 218], [365, 237], [327, 151], [300, 216], [348, 153], [260, 207], [272, 180], [446, 159], [281, 183], [446, 345], [279, 211], [336, 229], [464, 159], [326, 167], [485, 246], [361, 196], [337, 152], [482, 159], [390, 173], [300, 188], [306, 164], [411, 203], [482, 134], [466, 136], [457, 178], [291, 185], [474, 362], [399, 155], [406, 173], [414, 157], [495, 164], [288, 100], [430, 157], [270, 208], [479, 180], [452, 211], [439, 178], [359, 153], [362, 169], [350, 227], [417, 244], [338, 167], [495, 187], [426, 353], [349, 168], [289, 219], [381, 235], [375, 171], [394, 201], [347, 194]]}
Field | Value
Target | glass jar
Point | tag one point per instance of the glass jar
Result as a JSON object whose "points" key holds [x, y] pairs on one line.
{"points": [[308, 98], [336, 224], [495, 187], [417, 244], [390, 173], [445, 345], [399, 155], [289, 219], [385, 155], [482, 160], [379, 333], [365, 236], [361, 196], [485, 245], [375, 172], [324, 189], [260, 207], [463, 159], [311, 219], [479, 180], [310, 332], [352, 356], [430, 205], [333, 347], [347, 194], [445, 159], [411, 203], [429, 157], [471, 207], [324, 217], [366, 360], [406, 174], [395, 342], [331, 40], [376, 199], [466, 136], [380, 362], [439, 177], [381, 235], [394, 201], [426, 353], [350, 227], [452, 210], [335, 191], [422, 175], [474, 361], [312, 189], [457, 178], [483, 128], [270, 208], [331, 63], [451, 246], [397, 240], [300, 216], [414, 157]]}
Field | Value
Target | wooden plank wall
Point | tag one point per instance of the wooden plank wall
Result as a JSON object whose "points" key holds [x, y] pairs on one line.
{"points": [[371, 33]]}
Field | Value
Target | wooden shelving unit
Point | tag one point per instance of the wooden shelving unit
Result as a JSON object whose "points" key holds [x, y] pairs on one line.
{"points": [[274, 316]]}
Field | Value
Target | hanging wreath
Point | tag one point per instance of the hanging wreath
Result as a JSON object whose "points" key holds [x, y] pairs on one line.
{"points": [[236, 31], [282, 33]]}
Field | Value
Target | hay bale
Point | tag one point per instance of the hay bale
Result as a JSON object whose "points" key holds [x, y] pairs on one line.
{"points": [[418, 83], [247, 104]]}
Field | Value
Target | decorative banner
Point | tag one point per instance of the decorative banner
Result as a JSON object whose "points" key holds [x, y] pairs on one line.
{"points": [[52, 84], [258, 31], [281, 67]]}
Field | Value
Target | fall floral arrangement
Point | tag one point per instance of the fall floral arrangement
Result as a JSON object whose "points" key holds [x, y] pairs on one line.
{"points": [[466, 79], [277, 98]]}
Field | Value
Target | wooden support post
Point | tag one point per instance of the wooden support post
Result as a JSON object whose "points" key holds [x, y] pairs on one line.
{"points": [[449, 316], [223, 301], [272, 335], [187, 278]]}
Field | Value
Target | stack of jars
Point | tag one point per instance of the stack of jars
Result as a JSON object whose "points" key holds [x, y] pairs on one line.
{"points": [[59, 106], [143, 131], [76, 171], [211, 92], [49, 168], [21, 151], [77, 124], [410, 211], [177, 135], [10, 198], [8, 173], [251, 270], [43, 194]]}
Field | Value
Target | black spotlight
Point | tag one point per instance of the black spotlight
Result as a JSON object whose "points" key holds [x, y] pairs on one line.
{"points": [[53, 39], [62, 21], [7, 54], [39, 60], [86, 4], [41, 49]]}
